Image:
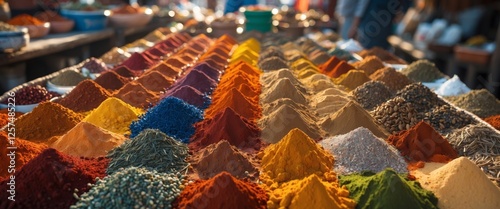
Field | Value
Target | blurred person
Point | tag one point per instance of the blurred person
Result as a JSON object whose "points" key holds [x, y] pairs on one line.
{"points": [[349, 13], [376, 24]]}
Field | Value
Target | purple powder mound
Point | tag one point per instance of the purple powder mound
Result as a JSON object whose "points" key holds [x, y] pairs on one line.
{"points": [[196, 79], [157, 51], [138, 62], [191, 96], [209, 70]]}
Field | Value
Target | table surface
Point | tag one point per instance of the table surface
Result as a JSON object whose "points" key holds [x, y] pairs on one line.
{"points": [[410, 48], [54, 43]]}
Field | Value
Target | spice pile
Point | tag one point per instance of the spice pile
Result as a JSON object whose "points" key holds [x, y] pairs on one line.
{"points": [[354, 152], [371, 94], [32, 95], [423, 71], [150, 149], [395, 115], [132, 188], [480, 102]]}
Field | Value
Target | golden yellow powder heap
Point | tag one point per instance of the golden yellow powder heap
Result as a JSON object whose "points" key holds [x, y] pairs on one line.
{"points": [[295, 156], [247, 52], [87, 140], [310, 192], [114, 115], [352, 79]]}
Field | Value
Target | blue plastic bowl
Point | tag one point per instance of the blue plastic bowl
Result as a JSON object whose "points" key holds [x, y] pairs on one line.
{"points": [[86, 21]]}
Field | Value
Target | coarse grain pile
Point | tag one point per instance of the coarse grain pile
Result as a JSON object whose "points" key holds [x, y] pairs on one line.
{"points": [[395, 115], [447, 118], [371, 94], [423, 71], [387, 189], [172, 116], [479, 143], [360, 150], [132, 187], [480, 102], [421, 97], [30, 95], [150, 149]]}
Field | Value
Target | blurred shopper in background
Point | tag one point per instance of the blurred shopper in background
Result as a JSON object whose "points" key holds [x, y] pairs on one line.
{"points": [[349, 13]]}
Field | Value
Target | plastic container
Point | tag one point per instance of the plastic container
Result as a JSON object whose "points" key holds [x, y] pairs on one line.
{"points": [[85, 20]]}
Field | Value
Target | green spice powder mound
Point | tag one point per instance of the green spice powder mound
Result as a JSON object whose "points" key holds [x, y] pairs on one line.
{"points": [[387, 190]]}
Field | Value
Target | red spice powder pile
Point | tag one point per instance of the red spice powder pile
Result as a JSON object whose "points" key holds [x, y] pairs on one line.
{"points": [[329, 65], [126, 72], [86, 96], [228, 158], [494, 121], [340, 69], [155, 81], [25, 151], [111, 81], [232, 193], [50, 179], [423, 143], [138, 62], [227, 125]]}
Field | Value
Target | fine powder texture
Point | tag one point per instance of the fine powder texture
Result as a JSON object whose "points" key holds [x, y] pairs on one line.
{"points": [[310, 192], [191, 96], [25, 151], [423, 71], [285, 118], [68, 78], [350, 117], [423, 143], [283, 88], [137, 95], [326, 105], [87, 140], [227, 125], [340, 69], [46, 120], [359, 150], [114, 115], [151, 189], [454, 188], [50, 179], [369, 64], [393, 79], [480, 102], [172, 116], [387, 189], [296, 156], [111, 81], [155, 81], [453, 87], [243, 194], [150, 149], [371, 94], [86, 96], [494, 121], [227, 157], [352, 79]]}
